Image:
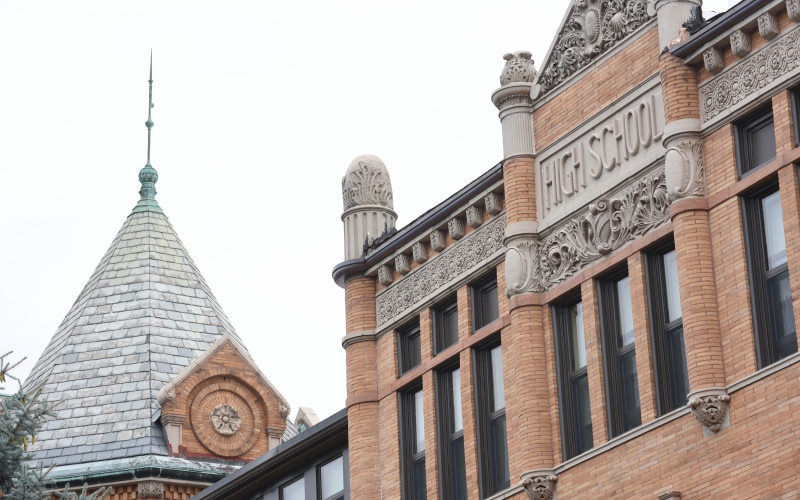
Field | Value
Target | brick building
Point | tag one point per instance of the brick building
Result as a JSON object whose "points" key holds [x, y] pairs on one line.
{"points": [[610, 311]]}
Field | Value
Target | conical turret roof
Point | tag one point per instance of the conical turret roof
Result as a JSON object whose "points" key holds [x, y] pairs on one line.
{"points": [[144, 315]]}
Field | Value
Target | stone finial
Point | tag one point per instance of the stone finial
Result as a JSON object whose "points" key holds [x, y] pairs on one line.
{"points": [[367, 182], [519, 68]]}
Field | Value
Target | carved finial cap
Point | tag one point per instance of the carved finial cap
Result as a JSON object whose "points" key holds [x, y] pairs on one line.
{"points": [[518, 68], [367, 182]]}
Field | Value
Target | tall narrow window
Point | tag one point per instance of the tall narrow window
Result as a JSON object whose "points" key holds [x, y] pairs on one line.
{"points": [[776, 334], [409, 351], [453, 475], [445, 325], [622, 384], [491, 414], [573, 381], [485, 306], [295, 490], [331, 480], [666, 320], [412, 439], [755, 140]]}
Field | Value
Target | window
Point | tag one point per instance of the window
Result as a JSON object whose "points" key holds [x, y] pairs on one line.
{"points": [[331, 479], [412, 444], [796, 115], [669, 352], [296, 490], [622, 385], [491, 419], [776, 336], [445, 325], [453, 475], [755, 141], [573, 381], [409, 347], [485, 307]]}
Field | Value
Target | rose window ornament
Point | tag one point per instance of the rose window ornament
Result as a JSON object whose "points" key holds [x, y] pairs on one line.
{"points": [[225, 419]]}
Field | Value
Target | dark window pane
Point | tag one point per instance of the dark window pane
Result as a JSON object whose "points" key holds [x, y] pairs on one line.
{"points": [[584, 439], [445, 325], [491, 309], [409, 350], [676, 366], [763, 143], [485, 302], [629, 389], [498, 454], [782, 315], [450, 325], [418, 484], [294, 491], [458, 469]]}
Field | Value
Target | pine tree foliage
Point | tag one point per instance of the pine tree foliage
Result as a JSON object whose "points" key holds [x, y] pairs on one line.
{"points": [[96, 495], [21, 418]]}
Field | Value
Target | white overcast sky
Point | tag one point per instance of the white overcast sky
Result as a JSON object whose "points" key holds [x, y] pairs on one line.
{"points": [[259, 109]]}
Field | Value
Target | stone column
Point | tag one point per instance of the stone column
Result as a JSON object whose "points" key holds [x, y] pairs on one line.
{"points": [[685, 179], [671, 16], [527, 403], [362, 389]]}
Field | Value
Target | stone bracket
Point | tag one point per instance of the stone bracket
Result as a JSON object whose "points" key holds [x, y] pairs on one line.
{"points": [[539, 484], [710, 408], [151, 489]]}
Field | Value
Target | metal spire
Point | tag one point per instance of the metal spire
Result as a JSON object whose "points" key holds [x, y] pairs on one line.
{"points": [[148, 175]]}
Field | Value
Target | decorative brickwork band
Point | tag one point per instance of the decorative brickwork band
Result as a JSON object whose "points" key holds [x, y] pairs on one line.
{"points": [[151, 489], [710, 408], [540, 484]]}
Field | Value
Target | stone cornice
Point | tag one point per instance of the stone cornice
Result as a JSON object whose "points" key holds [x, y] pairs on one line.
{"points": [[356, 337]]}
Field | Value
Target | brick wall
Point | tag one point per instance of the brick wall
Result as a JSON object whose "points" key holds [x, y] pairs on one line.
{"points": [[679, 86], [519, 179], [641, 331]]}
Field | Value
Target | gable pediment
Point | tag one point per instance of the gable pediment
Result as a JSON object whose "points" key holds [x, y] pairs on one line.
{"points": [[590, 29]]}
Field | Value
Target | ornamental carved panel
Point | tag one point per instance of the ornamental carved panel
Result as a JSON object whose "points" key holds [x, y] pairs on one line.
{"points": [[745, 80], [470, 252], [592, 29]]}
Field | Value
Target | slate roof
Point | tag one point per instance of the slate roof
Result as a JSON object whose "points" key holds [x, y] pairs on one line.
{"points": [[144, 315]]}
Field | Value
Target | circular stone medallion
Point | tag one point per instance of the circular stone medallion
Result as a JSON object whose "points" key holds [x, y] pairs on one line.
{"points": [[225, 419]]}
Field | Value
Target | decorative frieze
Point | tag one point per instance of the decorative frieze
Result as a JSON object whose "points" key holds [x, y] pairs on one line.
{"points": [[455, 227], [151, 489], [768, 26], [537, 265], [493, 202], [740, 43], [420, 252], [745, 80], [385, 275], [438, 272], [438, 240], [712, 58], [402, 264], [793, 9], [593, 28], [474, 216]]}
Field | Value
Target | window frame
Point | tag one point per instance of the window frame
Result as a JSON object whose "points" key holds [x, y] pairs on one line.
{"points": [[405, 335], [658, 313], [448, 306], [477, 290], [565, 375], [481, 361], [795, 93], [290, 482], [608, 303], [758, 274], [444, 398], [742, 139], [339, 495], [406, 434]]}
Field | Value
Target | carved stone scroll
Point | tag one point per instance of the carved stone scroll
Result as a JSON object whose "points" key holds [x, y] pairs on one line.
{"points": [[740, 43], [593, 28], [474, 216], [768, 26], [712, 58], [746, 79], [420, 252], [422, 282]]}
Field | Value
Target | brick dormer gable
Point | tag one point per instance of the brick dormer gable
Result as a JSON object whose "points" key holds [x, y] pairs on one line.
{"points": [[222, 407]]}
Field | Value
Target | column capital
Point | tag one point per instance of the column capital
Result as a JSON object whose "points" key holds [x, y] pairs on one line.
{"points": [[539, 484]]}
